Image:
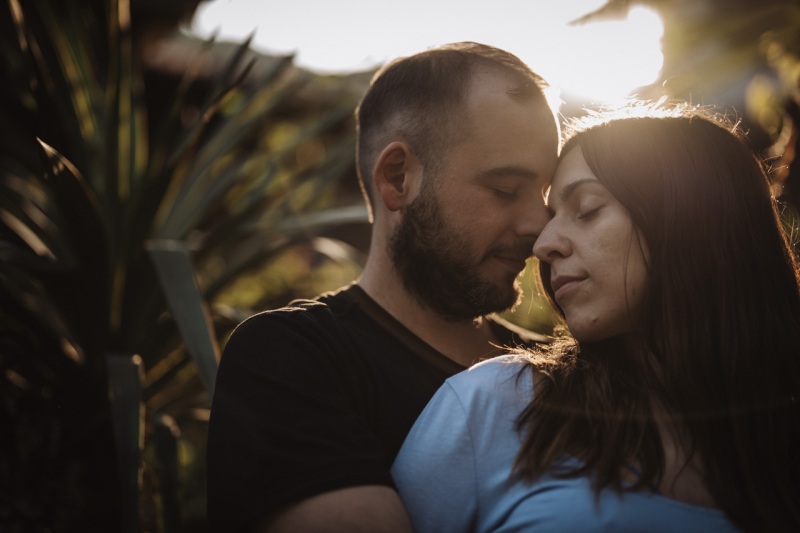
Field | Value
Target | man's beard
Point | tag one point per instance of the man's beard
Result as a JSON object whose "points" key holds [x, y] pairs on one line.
{"points": [[435, 265]]}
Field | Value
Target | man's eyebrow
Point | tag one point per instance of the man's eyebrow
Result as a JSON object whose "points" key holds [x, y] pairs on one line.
{"points": [[570, 189], [508, 171]]}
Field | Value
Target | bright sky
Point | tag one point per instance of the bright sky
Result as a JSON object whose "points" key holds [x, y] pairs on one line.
{"points": [[599, 61]]}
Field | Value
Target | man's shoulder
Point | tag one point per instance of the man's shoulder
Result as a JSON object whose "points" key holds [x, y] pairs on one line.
{"points": [[305, 311], [300, 329]]}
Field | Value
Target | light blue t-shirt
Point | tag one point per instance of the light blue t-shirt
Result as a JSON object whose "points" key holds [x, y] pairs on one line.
{"points": [[453, 472]]}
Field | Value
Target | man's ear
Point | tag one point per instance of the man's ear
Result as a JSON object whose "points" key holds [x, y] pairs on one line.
{"points": [[393, 175]]}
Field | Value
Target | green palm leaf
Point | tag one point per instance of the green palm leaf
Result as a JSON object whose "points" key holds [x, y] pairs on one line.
{"points": [[102, 201]]}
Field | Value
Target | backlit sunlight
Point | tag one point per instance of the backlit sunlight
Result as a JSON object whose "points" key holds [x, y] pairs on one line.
{"points": [[599, 61]]}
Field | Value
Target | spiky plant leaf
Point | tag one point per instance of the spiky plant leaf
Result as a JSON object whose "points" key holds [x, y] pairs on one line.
{"points": [[88, 176], [125, 390], [177, 277]]}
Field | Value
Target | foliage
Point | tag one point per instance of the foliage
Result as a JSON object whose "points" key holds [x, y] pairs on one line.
{"points": [[94, 191]]}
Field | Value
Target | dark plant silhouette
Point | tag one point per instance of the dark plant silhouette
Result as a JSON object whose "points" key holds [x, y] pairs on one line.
{"points": [[121, 230]]}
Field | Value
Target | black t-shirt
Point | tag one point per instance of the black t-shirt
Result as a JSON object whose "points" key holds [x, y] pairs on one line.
{"points": [[315, 397]]}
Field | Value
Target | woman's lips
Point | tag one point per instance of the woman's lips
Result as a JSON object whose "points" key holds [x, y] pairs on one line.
{"points": [[563, 284]]}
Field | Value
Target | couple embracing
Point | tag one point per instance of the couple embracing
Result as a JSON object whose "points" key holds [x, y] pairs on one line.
{"points": [[669, 402]]}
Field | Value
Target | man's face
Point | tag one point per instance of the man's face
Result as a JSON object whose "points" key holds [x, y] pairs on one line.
{"points": [[465, 238]]}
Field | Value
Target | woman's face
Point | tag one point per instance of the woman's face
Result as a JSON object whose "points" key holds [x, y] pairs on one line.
{"points": [[598, 262]]}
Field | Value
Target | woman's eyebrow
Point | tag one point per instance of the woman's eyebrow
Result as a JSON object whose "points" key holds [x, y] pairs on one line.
{"points": [[570, 188]]}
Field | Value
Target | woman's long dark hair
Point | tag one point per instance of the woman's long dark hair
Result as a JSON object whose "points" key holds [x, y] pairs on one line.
{"points": [[720, 327]]}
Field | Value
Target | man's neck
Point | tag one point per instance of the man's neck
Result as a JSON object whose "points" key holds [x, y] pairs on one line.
{"points": [[464, 341]]}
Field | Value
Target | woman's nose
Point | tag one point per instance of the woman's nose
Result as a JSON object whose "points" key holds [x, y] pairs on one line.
{"points": [[551, 243]]}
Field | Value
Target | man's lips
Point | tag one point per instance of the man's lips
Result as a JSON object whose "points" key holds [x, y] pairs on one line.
{"points": [[517, 262], [561, 284]]}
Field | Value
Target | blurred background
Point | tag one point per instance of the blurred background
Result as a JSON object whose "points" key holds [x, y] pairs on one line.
{"points": [[169, 168]]}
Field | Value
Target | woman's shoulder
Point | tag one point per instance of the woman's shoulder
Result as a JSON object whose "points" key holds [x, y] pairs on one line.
{"points": [[499, 380], [500, 368]]}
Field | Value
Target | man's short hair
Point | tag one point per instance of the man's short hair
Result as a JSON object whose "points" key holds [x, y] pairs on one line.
{"points": [[417, 98]]}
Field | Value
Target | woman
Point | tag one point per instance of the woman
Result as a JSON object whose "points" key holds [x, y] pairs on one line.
{"points": [[672, 405]]}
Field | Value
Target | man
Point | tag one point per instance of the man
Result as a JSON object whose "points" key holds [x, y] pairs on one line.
{"points": [[456, 148]]}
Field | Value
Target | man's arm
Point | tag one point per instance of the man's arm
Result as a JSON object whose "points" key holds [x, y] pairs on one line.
{"points": [[370, 508]]}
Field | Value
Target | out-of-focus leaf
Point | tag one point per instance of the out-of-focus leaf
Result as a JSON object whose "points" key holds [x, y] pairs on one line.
{"points": [[36, 300], [76, 198], [89, 175], [74, 72], [26, 211], [324, 219], [173, 264], [200, 186], [165, 437], [125, 392]]}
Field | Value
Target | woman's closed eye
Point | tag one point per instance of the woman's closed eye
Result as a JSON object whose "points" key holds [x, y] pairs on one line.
{"points": [[589, 213]]}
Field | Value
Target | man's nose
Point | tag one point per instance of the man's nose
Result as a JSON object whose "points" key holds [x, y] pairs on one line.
{"points": [[532, 218]]}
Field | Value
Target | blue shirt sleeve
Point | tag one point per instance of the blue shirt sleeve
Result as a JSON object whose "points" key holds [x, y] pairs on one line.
{"points": [[435, 469]]}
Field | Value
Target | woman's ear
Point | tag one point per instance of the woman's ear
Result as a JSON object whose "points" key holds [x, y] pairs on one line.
{"points": [[393, 175]]}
